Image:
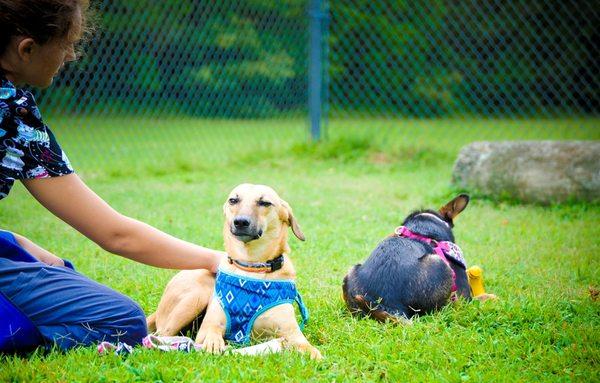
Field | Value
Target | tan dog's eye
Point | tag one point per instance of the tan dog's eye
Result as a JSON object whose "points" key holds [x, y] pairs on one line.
{"points": [[233, 200], [264, 203]]}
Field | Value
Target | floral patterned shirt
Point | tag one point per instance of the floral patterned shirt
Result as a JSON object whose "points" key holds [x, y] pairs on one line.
{"points": [[28, 148]]}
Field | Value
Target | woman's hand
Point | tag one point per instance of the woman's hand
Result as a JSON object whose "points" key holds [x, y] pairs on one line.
{"points": [[52, 260], [71, 200], [38, 252]]}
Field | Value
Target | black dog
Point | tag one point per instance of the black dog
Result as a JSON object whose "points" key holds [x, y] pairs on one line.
{"points": [[413, 271]]}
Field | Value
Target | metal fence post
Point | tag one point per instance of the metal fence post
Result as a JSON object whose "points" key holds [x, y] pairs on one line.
{"points": [[315, 71]]}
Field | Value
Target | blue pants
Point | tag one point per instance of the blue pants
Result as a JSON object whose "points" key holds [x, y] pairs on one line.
{"points": [[65, 307]]}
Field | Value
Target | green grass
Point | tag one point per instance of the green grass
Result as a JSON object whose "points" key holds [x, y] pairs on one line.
{"points": [[347, 194]]}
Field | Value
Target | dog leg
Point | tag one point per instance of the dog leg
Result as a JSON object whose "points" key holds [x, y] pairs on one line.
{"points": [[186, 296], [186, 310], [213, 328], [281, 321], [297, 341], [151, 322]]}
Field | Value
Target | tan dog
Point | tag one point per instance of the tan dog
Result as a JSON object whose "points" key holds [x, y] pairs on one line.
{"points": [[255, 232]]}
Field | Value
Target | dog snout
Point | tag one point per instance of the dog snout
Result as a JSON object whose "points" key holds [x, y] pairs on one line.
{"points": [[241, 222], [245, 228]]}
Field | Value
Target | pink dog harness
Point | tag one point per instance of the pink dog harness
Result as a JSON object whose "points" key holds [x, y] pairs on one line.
{"points": [[444, 249]]}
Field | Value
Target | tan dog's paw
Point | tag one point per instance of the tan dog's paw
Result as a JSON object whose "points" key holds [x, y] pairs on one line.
{"points": [[315, 353], [309, 349], [213, 343]]}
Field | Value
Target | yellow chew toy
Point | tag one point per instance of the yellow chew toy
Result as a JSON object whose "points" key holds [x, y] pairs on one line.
{"points": [[475, 275]]}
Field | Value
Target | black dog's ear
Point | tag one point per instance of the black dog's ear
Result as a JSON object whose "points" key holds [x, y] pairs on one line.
{"points": [[454, 207]]}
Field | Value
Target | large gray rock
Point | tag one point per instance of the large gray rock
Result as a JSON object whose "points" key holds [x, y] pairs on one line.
{"points": [[532, 171]]}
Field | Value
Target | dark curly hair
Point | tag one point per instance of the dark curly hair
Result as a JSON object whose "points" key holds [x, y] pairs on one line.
{"points": [[42, 20]]}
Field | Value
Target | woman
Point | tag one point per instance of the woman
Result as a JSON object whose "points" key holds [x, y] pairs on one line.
{"points": [[37, 37]]}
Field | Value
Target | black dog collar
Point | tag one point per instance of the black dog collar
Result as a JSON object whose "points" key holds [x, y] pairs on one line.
{"points": [[258, 267]]}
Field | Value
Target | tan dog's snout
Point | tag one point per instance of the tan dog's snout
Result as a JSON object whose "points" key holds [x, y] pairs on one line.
{"points": [[242, 222], [245, 228]]}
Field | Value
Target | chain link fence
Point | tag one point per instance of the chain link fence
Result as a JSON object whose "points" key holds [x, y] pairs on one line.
{"points": [[190, 58], [233, 71], [485, 58]]}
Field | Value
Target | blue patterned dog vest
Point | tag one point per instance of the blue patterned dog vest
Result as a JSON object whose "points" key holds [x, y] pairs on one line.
{"points": [[243, 299]]}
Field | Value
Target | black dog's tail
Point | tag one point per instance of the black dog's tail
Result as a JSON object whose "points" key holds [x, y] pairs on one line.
{"points": [[359, 305], [377, 311]]}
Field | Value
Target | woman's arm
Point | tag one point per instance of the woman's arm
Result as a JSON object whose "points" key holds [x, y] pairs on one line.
{"points": [[40, 253], [71, 200]]}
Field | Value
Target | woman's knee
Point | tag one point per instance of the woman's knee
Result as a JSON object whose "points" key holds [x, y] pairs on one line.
{"points": [[132, 325], [121, 321], [70, 309]]}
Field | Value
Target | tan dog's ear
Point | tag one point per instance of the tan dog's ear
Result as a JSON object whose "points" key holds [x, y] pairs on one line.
{"points": [[225, 206], [291, 220], [454, 207]]}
